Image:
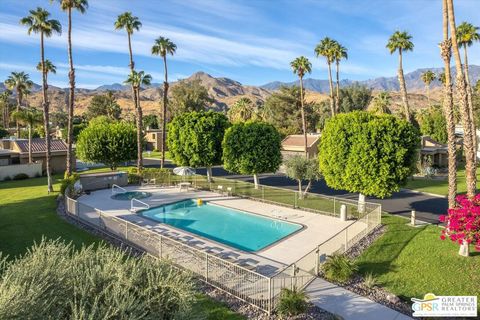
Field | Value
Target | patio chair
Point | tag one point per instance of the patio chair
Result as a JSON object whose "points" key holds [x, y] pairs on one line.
{"points": [[229, 191], [220, 189]]}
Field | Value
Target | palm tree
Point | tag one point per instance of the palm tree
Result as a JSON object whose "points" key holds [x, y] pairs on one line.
{"points": [[136, 80], [381, 103], [68, 6], [28, 117], [441, 76], [4, 98], [461, 89], [427, 78], [21, 83], [300, 66], [38, 22], [162, 47], [130, 23], [401, 41], [326, 48], [339, 52], [49, 68], [242, 110]]}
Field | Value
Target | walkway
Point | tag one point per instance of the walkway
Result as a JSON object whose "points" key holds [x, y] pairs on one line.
{"points": [[348, 305]]}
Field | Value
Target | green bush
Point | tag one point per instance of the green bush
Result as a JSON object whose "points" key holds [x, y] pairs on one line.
{"points": [[339, 268], [68, 181], [7, 178], [160, 174], [21, 176], [4, 133], [55, 281], [370, 280], [133, 176], [292, 303]]}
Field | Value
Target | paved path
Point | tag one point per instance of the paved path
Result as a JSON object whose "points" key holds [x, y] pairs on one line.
{"points": [[348, 305], [428, 207]]}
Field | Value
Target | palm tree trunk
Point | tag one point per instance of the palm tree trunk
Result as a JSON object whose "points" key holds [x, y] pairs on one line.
{"points": [[30, 159], [71, 99], [330, 82], [19, 102], [428, 95], [470, 101], [132, 64], [462, 98], [46, 116], [446, 52], [164, 111], [304, 122], [403, 87], [138, 110], [337, 100]]}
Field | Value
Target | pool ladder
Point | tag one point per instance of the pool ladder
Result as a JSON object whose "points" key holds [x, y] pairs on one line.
{"points": [[115, 187], [134, 208]]}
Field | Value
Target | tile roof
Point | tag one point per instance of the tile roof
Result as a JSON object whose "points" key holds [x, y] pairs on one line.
{"points": [[297, 140], [38, 145]]}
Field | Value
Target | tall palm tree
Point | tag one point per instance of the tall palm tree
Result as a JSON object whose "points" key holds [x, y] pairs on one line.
{"points": [[381, 103], [137, 80], [68, 6], [427, 78], [38, 22], [467, 34], [441, 76], [326, 49], [401, 41], [130, 23], [28, 117], [300, 67], [5, 99], [49, 68], [339, 52], [21, 83], [162, 47], [462, 98], [242, 110]]}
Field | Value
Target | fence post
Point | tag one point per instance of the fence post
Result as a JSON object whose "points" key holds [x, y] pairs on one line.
{"points": [[206, 267], [270, 298], [126, 230]]}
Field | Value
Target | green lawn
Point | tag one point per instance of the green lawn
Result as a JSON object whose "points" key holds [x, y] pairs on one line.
{"points": [[156, 155], [27, 213], [411, 262], [439, 187]]}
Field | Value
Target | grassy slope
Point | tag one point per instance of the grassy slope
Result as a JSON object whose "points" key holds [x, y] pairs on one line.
{"points": [[27, 213], [411, 262]]}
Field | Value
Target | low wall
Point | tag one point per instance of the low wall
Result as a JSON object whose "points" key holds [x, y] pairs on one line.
{"points": [[30, 169]]}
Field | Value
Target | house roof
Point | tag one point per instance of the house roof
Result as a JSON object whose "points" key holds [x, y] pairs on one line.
{"points": [[297, 140], [38, 145]]}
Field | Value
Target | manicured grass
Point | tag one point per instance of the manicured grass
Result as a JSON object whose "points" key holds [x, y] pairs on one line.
{"points": [[411, 262], [156, 155], [439, 187], [27, 213]]}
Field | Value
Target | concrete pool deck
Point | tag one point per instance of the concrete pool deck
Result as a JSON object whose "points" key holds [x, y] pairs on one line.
{"points": [[317, 228]]}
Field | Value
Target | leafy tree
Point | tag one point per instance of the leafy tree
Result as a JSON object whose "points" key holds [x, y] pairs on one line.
{"points": [[104, 105], [110, 143], [433, 123], [59, 119], [327, 48], [300, 67], [21, 83], [54, 280], [242, 110], [282, 109], [3, 133], [300, 168], [195, 139], [401, 41], [427, 78], [189, 96], [381, 103], [366, 153], [28, 117], [38, 22], [162, 47], [354, 97], [76, 129], [252, 148], [150, 121]]}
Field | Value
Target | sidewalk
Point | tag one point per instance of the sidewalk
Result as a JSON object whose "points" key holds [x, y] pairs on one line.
{"points": [[348, 305]]}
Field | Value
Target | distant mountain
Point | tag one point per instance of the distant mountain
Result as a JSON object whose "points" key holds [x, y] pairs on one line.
{"points": [[412, 79]]}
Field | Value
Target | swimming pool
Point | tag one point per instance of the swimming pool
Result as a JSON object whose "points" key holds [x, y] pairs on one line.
{"points": [[235, 228]]}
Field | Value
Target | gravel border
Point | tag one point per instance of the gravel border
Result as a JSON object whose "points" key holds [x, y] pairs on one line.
{"points": [[230, 301]]}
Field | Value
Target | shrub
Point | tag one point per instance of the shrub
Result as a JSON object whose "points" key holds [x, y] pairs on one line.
{"points": [[20, 176], [55, 281], [339, 268], [7, 178], [370, 280], [68, 181], [292, 303], [133, 176]]}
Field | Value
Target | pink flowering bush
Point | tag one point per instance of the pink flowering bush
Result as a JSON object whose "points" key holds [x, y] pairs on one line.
{"points": [[463, 222]]}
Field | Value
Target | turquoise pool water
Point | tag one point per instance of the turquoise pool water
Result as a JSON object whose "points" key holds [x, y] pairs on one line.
{"points": [[235, 228]]}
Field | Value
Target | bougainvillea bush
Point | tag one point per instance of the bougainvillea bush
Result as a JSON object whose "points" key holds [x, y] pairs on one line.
{"points": [[463, 222]]}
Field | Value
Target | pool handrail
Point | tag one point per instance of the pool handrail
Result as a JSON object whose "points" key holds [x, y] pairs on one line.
{"points": [[115, 186], [134, 208]]}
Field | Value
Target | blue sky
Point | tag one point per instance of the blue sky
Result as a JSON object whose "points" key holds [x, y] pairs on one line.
{"points": [[249, 41]]}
